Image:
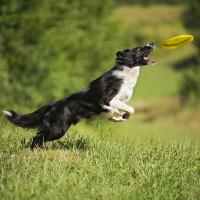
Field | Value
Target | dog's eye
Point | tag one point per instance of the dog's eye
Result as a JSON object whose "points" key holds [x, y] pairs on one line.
{"points": [[148, 48]]}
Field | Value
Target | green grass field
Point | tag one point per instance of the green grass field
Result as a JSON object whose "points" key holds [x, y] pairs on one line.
{"points": [[84, 166], [154, 155]]}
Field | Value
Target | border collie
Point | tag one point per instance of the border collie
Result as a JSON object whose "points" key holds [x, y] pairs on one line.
{"points": [[107, 94]]}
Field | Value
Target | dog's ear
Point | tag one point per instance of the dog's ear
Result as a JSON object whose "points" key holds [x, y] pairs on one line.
{"points": [[119, 53], [126, 50]]}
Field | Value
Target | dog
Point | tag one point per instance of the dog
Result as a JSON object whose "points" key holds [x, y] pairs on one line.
{"points": [[109, 94]]}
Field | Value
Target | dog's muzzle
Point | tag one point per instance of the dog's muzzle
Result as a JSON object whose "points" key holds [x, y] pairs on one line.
{"points": [[145, 52]]}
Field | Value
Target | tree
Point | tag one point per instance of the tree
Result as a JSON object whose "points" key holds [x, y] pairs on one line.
{"points": [[50, 48], [190, 87]]}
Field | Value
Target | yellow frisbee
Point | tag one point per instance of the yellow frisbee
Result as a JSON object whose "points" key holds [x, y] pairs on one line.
{"points": [[176, 42]]}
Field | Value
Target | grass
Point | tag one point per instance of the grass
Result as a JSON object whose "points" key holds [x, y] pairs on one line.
{"points": [[157, 120], [154, 155], [90, 167]]}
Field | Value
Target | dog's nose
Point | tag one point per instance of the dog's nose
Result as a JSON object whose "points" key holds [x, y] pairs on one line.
{"points": [[151, 44]]}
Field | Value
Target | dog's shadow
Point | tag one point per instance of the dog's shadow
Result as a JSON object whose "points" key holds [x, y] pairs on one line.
{"points": [[78, 143], [81, 143]]}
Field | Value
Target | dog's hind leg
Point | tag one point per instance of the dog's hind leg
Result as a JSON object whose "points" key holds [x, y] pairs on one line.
{"points": [[38, 140], [49, 134]]}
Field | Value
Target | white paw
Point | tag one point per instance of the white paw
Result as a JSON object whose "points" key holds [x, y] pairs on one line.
{"points": [[131, 111], [111, 109], [117, 119], [106, 107]]}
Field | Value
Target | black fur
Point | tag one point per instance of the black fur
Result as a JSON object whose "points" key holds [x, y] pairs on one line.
{"points": [[53, 120]]}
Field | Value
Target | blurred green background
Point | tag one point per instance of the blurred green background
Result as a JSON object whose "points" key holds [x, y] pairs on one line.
{"points": [[49, 49]]}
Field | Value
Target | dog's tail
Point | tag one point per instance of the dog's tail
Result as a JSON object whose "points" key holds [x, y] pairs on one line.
{"points": [[31, 120]]}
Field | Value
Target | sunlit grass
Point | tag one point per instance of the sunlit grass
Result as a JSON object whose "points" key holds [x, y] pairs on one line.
{"points": [[90, 167]]}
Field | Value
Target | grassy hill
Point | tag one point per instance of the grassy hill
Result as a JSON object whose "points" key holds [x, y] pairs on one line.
{"points": [[156, 23], [158, 111], [154, 155], [97, 167]]}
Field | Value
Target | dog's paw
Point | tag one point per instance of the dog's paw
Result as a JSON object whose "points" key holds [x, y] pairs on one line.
{"points": [[131, 110], [117, 119], [126, 115]]}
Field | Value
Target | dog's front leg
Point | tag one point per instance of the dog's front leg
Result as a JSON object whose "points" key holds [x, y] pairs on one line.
{"points": [[114, 114], [119, 105], [119, 111]]}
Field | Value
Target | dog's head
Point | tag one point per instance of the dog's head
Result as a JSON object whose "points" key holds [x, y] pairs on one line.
{"points": [[137, 56]]}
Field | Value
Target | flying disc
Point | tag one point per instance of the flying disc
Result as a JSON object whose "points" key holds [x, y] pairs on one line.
{"points": [[176, 42]]}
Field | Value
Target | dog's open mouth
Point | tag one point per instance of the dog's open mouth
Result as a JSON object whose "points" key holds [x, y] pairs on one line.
{"points": [[149, 61], [146, 50]]}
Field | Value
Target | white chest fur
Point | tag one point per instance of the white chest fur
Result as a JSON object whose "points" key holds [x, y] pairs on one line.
{"points": [[129, 77]]}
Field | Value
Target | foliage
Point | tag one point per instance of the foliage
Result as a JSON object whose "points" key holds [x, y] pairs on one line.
{"points": [[150, 2], [190, 89], [50, 48], [191, 22]]}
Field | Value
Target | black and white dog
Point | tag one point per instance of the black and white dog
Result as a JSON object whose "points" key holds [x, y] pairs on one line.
{"points": [[109, 94]]}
